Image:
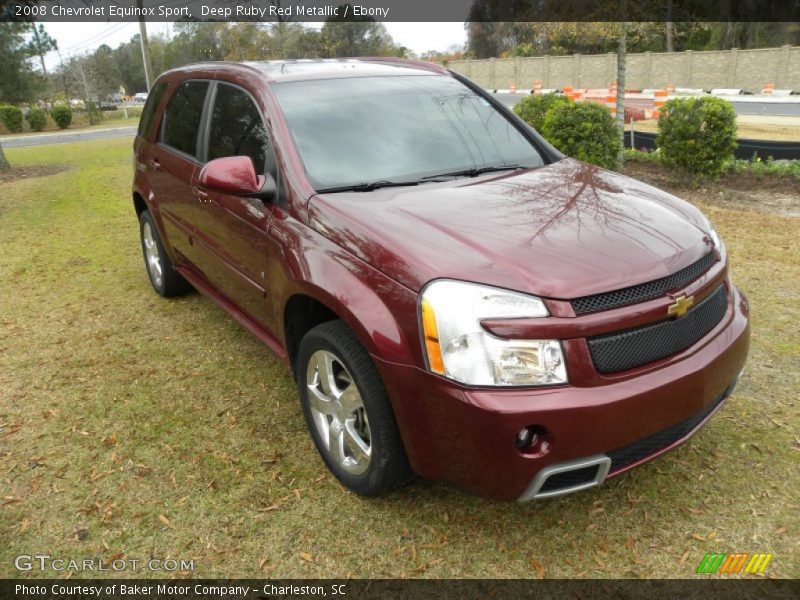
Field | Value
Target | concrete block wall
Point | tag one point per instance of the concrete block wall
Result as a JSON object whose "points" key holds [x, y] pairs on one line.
{"points": [[750, 70]]}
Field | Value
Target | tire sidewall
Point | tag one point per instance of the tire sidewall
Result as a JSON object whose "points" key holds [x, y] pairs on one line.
{"points": [[147, 218], [370, 479]]}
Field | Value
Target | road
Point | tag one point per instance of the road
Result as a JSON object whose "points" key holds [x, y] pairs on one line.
{"points": [[65, 137], [748, 107], [790, 109]]}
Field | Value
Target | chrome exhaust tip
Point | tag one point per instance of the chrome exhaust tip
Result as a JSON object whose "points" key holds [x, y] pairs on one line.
{"points": [[568, 477]]}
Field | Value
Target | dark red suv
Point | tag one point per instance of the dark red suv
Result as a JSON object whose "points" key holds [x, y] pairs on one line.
{"points": [[454, 297]]}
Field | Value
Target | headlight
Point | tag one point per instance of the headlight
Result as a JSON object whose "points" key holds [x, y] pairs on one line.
{"points": [[712, 233], [459, 348]]}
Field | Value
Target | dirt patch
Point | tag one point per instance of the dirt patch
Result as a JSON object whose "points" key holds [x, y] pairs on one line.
{"points": [[15, 173], [743, 191]]}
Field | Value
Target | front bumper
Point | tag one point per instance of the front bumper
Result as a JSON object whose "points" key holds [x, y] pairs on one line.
{"points": [[466, 435]]}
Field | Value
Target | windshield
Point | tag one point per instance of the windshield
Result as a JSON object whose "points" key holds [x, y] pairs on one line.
{"points": [[354, 131]]}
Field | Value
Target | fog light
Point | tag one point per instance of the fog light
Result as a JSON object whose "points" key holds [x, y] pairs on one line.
{"points": [[526, 438], [523, 437]]}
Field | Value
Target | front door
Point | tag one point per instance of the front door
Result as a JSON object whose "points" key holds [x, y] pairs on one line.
{"points": [[232, 230]]}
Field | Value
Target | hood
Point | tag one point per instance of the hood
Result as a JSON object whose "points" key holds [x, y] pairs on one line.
{"points": [[565, 230]]}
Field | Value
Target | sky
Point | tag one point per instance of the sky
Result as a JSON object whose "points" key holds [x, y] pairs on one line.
{"points": [[77, 38]]}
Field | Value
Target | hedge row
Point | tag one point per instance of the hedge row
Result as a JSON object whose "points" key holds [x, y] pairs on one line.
{"points": [[696, 135]]}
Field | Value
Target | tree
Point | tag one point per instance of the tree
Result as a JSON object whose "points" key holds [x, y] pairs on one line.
{"points": [[105, 76], [4, 164], [18, 80], [41, 44], [356, 36], [669, 26], [83, 76]]}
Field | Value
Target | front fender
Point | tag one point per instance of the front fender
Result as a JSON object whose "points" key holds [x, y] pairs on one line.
{"points": [[381, 312]]}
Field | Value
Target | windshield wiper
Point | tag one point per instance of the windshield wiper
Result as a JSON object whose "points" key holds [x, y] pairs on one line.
{"points": [[366, 187], [476, 171]]}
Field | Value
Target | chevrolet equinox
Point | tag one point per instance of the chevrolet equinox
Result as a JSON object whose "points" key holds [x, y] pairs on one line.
{"points": [[454, 297]]}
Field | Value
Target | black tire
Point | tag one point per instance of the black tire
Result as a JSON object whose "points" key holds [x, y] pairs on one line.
{"points": [[171, 282], [388, 465]]}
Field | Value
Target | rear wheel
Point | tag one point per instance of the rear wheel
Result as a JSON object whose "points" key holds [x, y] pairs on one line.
{"points": [[348, 412], [166, 281]]}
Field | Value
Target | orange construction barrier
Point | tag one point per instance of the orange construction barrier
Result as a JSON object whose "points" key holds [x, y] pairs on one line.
{"points": [[768, 89], [611, 102], [660, 99], [537, 87], [513, 87], [670, 89]]}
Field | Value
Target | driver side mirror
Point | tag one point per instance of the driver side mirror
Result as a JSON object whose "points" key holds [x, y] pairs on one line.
{"points": [[235, 175]]}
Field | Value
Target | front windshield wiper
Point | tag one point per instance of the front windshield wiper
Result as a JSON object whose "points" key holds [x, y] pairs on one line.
{"points": [[366, 187], [476, 171]]}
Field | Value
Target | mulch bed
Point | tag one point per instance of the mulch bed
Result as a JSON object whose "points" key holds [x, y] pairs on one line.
{"points": [[771, 193]]}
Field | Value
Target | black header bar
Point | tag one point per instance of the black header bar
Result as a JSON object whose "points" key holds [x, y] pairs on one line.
{"points": [[402, 10]]}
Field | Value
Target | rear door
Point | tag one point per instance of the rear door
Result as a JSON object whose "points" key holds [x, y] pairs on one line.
{"points": [[232, 230], [174, 165]]}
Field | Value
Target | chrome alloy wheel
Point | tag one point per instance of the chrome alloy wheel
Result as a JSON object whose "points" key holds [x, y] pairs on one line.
{"points": [[151, 255], [338, 412]]}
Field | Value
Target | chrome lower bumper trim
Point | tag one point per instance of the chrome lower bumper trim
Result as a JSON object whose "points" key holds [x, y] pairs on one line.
{"points": [[601, 461]]}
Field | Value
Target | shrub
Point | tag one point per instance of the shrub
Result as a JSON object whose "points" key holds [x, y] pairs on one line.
{"points": [[584, 130], [37, 118], [62, 115], [533, 109], [697, 135], [11, 117]]}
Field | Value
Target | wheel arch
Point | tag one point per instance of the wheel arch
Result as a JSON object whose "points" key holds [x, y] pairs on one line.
{"points": [[357, 304], [139, 204]]}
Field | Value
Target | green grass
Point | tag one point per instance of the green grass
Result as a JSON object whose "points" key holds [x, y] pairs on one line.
{"points": [[136, 426]]}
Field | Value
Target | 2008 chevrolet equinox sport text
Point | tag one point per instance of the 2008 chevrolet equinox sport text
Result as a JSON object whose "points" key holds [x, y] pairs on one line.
{"points": [[454, 297]]}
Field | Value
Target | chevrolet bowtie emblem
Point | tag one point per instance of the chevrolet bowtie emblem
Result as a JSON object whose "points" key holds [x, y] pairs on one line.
{"points": [[681, 306]]}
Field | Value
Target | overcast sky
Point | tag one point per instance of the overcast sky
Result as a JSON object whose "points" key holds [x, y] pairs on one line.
{"points": [[76, 38]]}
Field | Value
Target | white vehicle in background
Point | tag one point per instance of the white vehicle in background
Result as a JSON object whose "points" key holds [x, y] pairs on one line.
{"points": [[140, 97]]}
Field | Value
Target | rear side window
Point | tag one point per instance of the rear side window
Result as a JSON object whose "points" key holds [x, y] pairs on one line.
{"points": [[236, 127], [182, 117], [149, 110]]}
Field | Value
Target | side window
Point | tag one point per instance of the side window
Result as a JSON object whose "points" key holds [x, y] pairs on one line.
{"points": [[236, 128], [149, 110], [182, 117]]}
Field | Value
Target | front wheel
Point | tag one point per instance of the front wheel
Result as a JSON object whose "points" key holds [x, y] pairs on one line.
{"points": [[348, 412]]}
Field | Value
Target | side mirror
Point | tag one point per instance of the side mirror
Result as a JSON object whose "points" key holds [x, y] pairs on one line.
{"points": [[236, 175]]}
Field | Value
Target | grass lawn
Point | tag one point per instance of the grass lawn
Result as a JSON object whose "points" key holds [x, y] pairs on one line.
{"points": [[136, 427]]}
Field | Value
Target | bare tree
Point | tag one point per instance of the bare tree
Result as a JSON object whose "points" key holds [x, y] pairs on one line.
{"points": [[81, 76], [669, 26]]}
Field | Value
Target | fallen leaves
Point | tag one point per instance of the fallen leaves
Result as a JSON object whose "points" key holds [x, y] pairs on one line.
{"points": [[538, 567], [306, 556], [166, 521], [629, 543]]}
